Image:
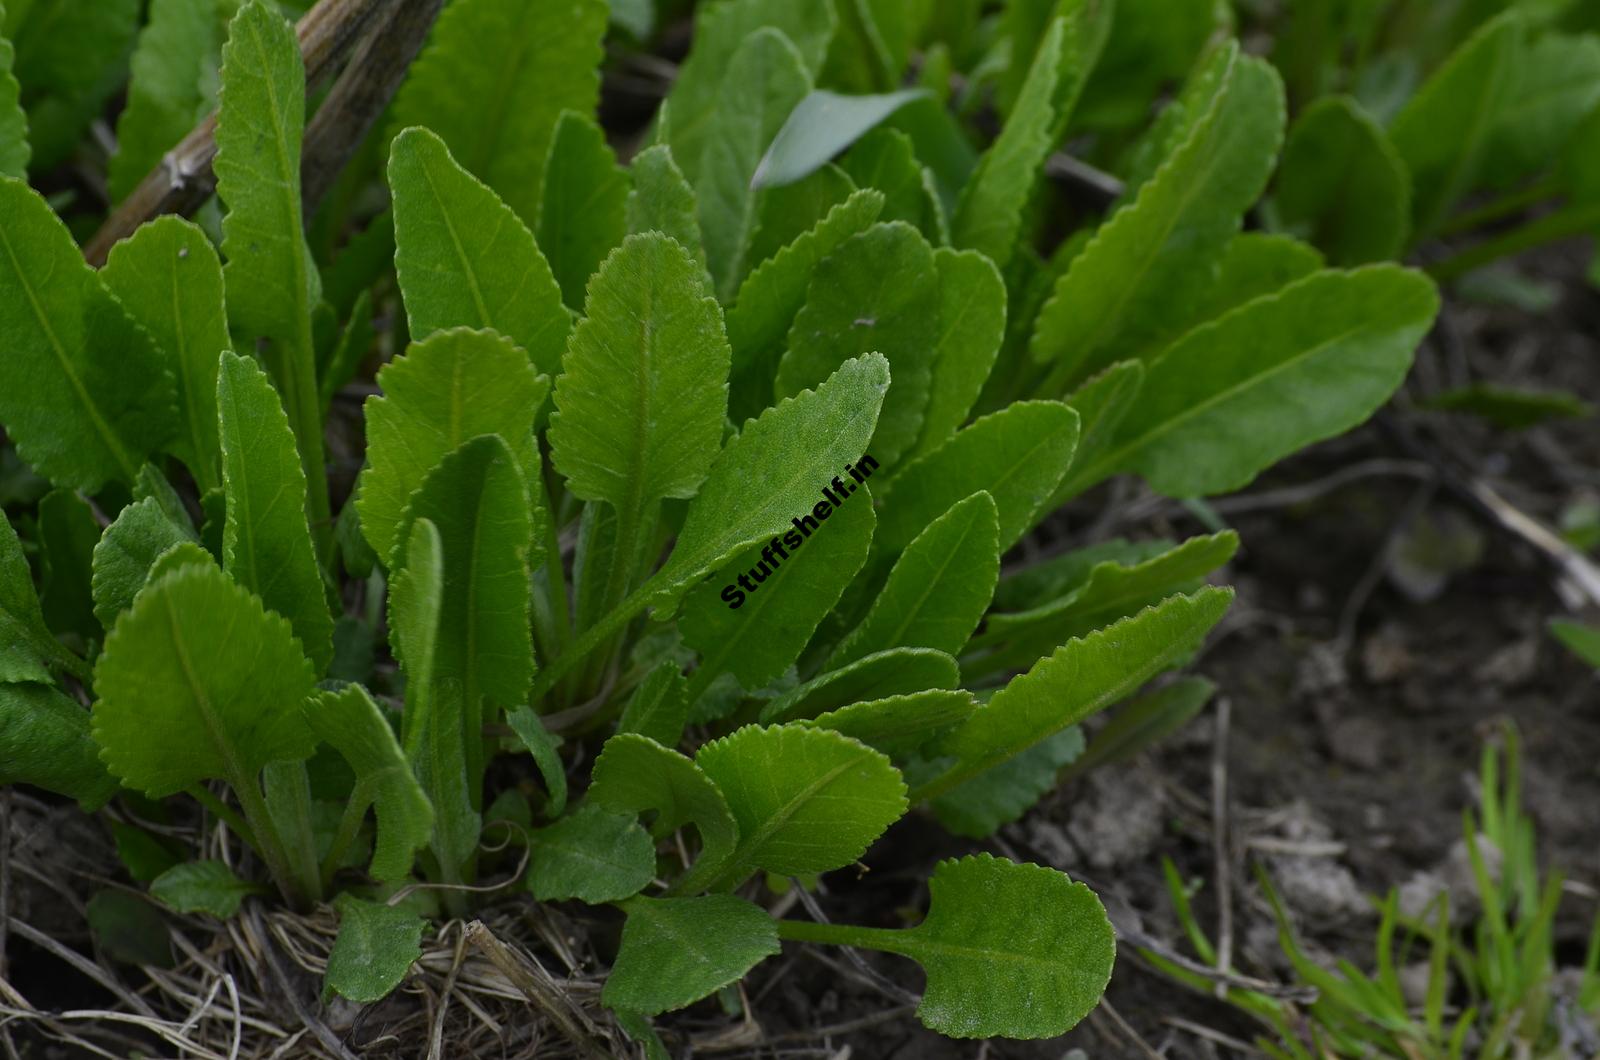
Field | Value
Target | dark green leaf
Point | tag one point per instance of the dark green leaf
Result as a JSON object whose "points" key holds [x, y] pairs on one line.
{"points": [[44, 741], [1343, 184], [676, 951], [591, 855], [583, 213]]}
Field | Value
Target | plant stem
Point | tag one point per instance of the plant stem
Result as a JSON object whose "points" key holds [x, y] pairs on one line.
{"points": [[268, 844], [888, 940], [1572, 220], [1505, 206], [590, 639], [288, 800], [71, 662], [355, 811], [224, 813]]}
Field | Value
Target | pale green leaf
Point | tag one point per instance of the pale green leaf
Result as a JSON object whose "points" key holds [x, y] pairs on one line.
{"points": [[822, 125], [1234, 396], [449, 388], [168, 278], [980, 806], [592, 855], [351, 723], [972, 324], [676, 951], [1343, 185], [661, 200], [1146, 268], [83, 395], [374, 948], [127, 550], [175, 60], [583, 212], [203, 887], [634, 774], [899, 671], [902, 723], [45, 741], [806, 799], [878, 292], [199, 681], [939, 587], [659, 707], [493, 81], [759, 639], [464, 259], [789, 452], [266, 541]]}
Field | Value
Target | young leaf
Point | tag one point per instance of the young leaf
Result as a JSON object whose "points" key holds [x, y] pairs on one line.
{"points": [[168, 278], [765, 79], [676, 951], [44, 741], [878, 292], [761, 638], [1343, 184], [14, 150], [1271, 377], [788, 452], [271, 284], [820, 126], [583, 212], [634, 774], [266, 541], [1444, 132], [661, 200], [806, 799], [83, 396], [1142, 723], [886, 159], [989, 216], [350, 722], [592, 855], [1256, 264], [202, 887], [167, 90], [939, 587], [784, 214], [26, 642], [199, 681], [127, 550], [972, 324], [449, 388], [545, 747], [494, 80], [770, 297], [1081, 678], [1152, 262], [464, 259], [980, 806], [899, 724], [899, 671], [68, 531], [659, 707], [374, 949], [1017, 456]]}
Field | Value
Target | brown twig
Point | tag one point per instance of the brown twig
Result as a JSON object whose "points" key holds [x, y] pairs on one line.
{"points": [[184, 178], [1221, 852]]}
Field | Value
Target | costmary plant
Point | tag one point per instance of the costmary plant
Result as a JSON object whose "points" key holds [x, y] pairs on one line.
{"points": [[611, 387]]}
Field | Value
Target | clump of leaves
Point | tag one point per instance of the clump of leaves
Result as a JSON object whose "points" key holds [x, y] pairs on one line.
{"points": [[604, 388]]}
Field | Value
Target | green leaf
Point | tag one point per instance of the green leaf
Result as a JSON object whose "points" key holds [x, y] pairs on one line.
{"points": [[71, 58], [266, 541], [642, 398], [1583, 641], [174, 62], [988, 217], [1236, 395], [26, 642], [878, 292], [83, 396], [494, 80], [544, 746], [1256, 264], [68, 531], [1042, 582], [1555, 83], [351, 723], [1511, 408], [129, 928], [806, 799], [787, 453], [374, 949], [939, 587], [676, 951], [1147, 267], [758, 323], [143, 854], [1017, 456], [659, 707], [899, 671], [203, 887], [634, 774], [1144, 722], [344, 360], [1445, 131], [972, 324], [199, 681], [592, 855], [44, 741], [168, 278], [449, 388], [14, 149], [464, 259], [583, 213], [1343, 185], [820, 126], [271, 284], [661, 200], [761, 637], [765, 80], [886, 159], [127, 550], [1081, 678], [899, 724], [784, 214], [1101, 404], [873, 45], [980, 806]]}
